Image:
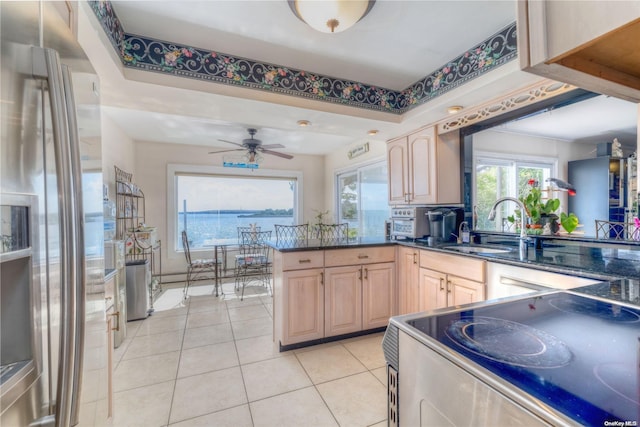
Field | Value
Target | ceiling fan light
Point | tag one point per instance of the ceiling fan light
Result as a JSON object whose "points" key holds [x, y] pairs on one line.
{"points": [[330, 16]]}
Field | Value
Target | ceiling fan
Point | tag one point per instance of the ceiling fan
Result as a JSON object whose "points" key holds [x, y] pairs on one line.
{"points": [[254, 147]]}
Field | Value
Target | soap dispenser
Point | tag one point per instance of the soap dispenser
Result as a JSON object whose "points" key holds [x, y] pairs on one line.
{"points": [[464, 232]]}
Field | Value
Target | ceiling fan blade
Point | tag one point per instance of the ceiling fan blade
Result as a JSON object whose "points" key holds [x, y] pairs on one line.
{"points": [[270, 146], [226, 151], [231, 142], [276, 153]]}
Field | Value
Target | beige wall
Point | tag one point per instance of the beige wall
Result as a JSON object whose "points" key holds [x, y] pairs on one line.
{"points": [[151, 176], [117, 150]]}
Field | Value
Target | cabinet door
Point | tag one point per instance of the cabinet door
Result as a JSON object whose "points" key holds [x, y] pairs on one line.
{"points": [[378, 294], [422, 171], [343, 300], [433, 290], [397, 170], [408, 280], [303, 311], [463, 291]]}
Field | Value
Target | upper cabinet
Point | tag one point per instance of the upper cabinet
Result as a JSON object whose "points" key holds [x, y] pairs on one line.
{"points": [[593, 45], [424, 168]]}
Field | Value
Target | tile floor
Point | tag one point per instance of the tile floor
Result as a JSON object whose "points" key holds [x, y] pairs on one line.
{"points": [[211, 361]]}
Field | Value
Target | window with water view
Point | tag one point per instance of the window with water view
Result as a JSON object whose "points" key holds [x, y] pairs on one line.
{"points": [[362, 199], [211, 207]]}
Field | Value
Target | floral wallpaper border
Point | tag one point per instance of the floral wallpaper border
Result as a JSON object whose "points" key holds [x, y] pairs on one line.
{"points": [[186, 61]]}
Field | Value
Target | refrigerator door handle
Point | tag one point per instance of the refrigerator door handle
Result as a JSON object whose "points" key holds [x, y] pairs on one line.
{"points": [[79, 265], [46, 65]]}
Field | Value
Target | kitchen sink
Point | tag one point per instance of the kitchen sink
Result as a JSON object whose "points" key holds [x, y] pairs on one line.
{"points": [[478, 249]]}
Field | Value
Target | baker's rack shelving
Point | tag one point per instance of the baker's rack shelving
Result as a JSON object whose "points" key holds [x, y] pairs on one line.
{"points": [[140, 241]]}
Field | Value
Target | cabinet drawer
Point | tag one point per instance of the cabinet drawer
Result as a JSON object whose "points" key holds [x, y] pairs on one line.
{"points": [[461, 266], [302, 260], [354, 256]]}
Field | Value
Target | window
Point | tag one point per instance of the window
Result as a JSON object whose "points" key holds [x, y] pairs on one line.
{"points": [[210, 203], [496, 176], [362, 199]]}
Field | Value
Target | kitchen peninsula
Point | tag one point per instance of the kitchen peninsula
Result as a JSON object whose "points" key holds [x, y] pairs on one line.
{"points": [[325, 290]]}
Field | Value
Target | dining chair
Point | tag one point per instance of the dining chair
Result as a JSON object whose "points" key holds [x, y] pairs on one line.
{"points": [[333, 231], [198, 268], [254, 262], [291, 233]]}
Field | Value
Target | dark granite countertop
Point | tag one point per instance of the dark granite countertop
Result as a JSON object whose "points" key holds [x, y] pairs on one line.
{"points": [[603, 261], [318, 244]]}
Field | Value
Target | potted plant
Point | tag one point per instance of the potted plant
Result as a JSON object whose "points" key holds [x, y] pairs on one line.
{"points": [[543, 219]]}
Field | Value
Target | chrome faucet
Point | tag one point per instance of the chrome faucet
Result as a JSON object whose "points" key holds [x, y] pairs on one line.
{"points": [[524, 239]]}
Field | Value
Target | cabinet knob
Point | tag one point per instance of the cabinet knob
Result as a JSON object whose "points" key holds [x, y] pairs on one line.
{"points": [[415, 258], [322, 278], [366, 273], [442, 284], [449, 286]]}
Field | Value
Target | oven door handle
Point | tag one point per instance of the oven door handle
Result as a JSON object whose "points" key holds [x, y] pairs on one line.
{"points": [[510, 281]]}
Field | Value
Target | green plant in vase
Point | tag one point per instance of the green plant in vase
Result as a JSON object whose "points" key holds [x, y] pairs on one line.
{"points": [[542, 212]]}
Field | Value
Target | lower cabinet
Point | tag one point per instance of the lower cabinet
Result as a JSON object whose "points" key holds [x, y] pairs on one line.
{"points": [[439, 290], [303, 295], [319, 294], [450, 280], [343, 300], [358, 297], [408, 280]]}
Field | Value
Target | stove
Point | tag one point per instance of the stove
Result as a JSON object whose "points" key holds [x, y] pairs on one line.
{"points": [[575, 354]]}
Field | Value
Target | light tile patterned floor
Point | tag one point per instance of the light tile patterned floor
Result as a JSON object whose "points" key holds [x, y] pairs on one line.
{"points": [[211, 361]]}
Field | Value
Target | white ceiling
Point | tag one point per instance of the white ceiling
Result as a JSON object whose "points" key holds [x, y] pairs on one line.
{"points": [[396, 44]]}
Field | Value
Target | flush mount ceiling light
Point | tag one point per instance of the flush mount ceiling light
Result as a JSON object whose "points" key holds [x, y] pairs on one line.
{"points": [[454, 109], [304, 123], [372, 132], [330, 16]]}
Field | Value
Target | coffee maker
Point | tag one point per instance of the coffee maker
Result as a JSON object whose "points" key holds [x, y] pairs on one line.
{"points": [[444, 223]]}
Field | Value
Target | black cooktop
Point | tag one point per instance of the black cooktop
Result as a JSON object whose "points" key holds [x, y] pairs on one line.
{"points": [[577, 354]]}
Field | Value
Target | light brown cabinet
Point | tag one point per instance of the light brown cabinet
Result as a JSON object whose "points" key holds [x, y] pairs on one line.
{"points": [[450, 280], [303, 295], [592, 45], [362, 296], [343, 300], [379, 292], [424, 168], [408, 262], [320, 293], [359, 297], [439, 290], [298, 291]]}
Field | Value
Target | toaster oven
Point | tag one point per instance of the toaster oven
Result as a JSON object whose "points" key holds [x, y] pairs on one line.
{"points": [[409, 222]]}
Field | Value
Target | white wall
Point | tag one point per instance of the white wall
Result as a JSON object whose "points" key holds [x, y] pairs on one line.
{"points": [[338, 160], [151, 176]]}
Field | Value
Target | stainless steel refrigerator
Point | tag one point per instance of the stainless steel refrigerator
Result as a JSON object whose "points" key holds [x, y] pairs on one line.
{"points": [[601, 185], [55, 360]]}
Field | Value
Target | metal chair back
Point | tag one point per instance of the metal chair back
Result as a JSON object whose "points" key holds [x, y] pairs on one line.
{"points": [[333, 231], [286, 233]]}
